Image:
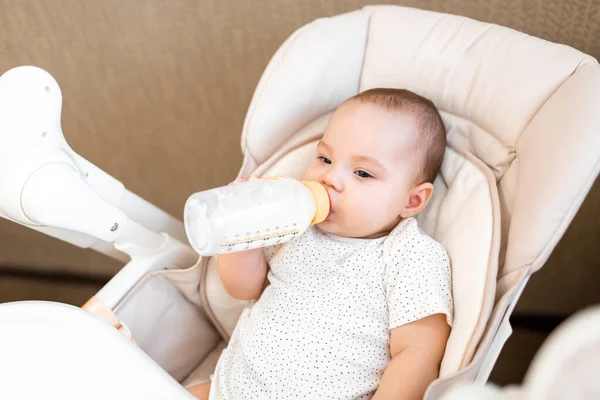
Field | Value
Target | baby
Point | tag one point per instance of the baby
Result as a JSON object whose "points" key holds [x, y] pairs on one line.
{"points": [[360, 306]]}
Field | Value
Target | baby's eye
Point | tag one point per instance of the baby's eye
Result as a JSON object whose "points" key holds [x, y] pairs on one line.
{"points": [[363, 174], [325, 159]]}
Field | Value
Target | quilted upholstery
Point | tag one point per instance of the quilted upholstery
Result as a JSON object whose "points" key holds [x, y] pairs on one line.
{"points": [[521, 115]]}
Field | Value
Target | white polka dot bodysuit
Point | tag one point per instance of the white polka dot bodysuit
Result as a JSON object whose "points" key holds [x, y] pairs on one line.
{"points": [[321, 329]]}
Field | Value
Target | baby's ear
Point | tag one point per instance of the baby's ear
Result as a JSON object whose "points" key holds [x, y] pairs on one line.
{"points": [[418, 198]]}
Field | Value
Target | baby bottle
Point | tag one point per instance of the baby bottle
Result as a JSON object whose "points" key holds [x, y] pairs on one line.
{"points": [[253, 214]]}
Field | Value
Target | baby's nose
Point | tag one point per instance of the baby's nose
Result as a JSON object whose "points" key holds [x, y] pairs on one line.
{"points": [[333, 181]]}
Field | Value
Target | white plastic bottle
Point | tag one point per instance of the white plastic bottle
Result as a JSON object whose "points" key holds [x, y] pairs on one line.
{"points": [[253, 214]]}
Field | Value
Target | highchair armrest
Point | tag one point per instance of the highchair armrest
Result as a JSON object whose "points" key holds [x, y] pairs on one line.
{"points": [[114, 192], [56, 351]]}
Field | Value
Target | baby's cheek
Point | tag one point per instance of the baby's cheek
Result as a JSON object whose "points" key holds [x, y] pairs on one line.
{"points": [[308, 175], [380, 210], [364, 210]]}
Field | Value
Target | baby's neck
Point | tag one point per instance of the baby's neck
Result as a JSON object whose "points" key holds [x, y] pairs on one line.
{"points": [[385, 231], [378, 235]]}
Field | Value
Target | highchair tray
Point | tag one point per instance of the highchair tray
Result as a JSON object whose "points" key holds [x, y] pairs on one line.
{"points": [[56, 351]]}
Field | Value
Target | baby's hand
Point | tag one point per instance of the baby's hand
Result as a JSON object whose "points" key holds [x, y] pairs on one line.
{"points": [[246, 179]]}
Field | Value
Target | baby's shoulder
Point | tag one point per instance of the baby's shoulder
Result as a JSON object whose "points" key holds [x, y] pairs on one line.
{"points": [[407, 243]]}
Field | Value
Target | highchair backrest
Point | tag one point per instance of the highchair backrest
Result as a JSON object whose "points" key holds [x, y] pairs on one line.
{"points": [[523, 134]]}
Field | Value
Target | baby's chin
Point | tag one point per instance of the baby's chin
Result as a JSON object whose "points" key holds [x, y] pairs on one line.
{"points": [[333, 227]]}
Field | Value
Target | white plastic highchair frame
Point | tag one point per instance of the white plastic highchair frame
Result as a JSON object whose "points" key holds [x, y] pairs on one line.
{"points": [[48, 187]]}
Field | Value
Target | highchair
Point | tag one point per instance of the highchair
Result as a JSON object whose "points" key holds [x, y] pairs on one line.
{"points": [[523, 123]]}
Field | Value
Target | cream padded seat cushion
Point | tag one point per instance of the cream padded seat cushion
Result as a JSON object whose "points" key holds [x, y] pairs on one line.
{"points": [[522, 119], [204, 370], [464, 217], [518, 110]]}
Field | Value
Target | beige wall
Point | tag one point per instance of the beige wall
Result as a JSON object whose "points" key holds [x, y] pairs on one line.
{"points": [[155, 93]]}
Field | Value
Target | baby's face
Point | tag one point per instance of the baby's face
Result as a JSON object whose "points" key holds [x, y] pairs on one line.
{"points": [[366, 161]]}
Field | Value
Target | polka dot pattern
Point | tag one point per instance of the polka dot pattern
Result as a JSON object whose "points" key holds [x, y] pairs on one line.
{"points": [[321, 329]]}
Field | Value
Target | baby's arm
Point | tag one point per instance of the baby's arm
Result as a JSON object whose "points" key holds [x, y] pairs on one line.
{"points": [[244, 274], [417, 349]]}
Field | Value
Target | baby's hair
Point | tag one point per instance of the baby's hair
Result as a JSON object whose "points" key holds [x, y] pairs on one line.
{"points": [[432, 133]]}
